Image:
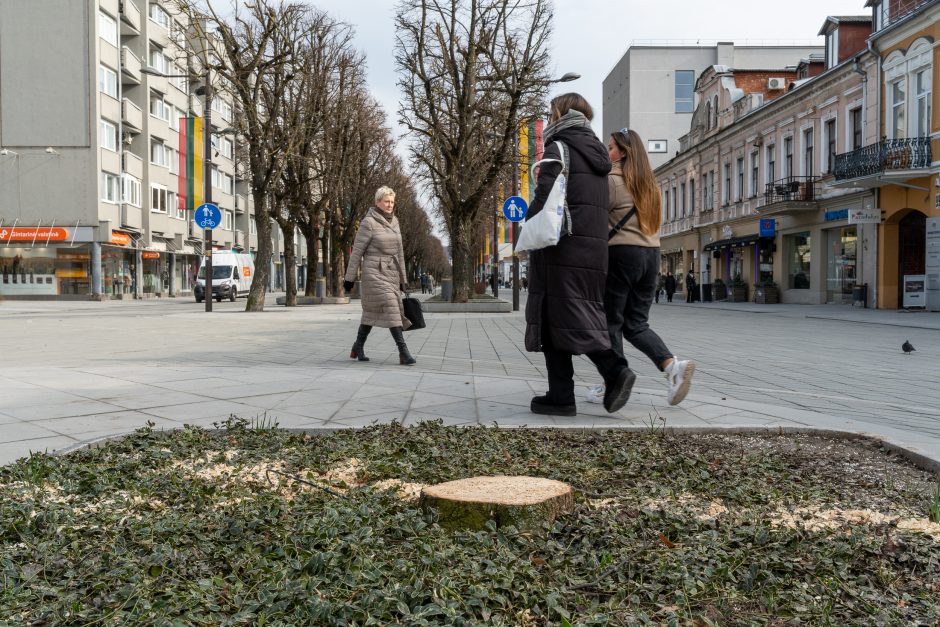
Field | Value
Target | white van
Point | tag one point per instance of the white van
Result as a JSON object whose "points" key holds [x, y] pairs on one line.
{"points": [[231, 276]]}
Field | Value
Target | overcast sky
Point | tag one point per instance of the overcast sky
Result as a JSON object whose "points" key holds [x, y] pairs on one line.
{"points": [[590, 36]]}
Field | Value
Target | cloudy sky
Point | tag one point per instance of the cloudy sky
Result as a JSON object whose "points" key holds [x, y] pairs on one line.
{"points": [[591, 35]]}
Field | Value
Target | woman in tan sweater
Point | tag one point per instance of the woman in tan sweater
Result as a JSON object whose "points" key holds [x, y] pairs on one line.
{"points": [[378, 250], [635, 213]]}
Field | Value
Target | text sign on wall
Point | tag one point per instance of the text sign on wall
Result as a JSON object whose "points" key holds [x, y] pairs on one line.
{"points": [[864, 216]]}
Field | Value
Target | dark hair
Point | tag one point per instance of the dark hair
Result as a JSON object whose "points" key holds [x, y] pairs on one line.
{"points": [[560, 105], [638, 177]]}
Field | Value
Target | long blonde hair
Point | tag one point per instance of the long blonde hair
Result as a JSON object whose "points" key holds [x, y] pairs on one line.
{"points": [[638, 177]]}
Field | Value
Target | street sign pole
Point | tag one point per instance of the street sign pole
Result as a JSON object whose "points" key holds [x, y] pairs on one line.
{"points": [[515, 229], [207, 180]]}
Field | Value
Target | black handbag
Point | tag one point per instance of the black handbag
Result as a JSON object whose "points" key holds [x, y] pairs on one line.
{"points": [[413, 313]]}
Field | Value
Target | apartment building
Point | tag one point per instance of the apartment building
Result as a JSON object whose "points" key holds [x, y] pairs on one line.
{"points": [[89, 151], [651, 89], [750, 199]]}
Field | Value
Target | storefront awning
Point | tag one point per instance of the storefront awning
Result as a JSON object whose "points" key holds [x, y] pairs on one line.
{"points": [[733, 242]]}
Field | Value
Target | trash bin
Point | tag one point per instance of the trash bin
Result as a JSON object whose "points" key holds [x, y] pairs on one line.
{"points": [[860, 295], [447, 289], [706, 292]]}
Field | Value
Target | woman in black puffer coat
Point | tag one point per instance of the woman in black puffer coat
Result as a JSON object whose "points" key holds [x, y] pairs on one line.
{"points": [[565, 309]]}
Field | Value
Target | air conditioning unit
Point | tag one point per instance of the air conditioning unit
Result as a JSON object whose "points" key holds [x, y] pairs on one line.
{"points": [[776, 82]]}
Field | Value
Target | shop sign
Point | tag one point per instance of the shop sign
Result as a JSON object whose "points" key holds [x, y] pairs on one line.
{"points": [[915, 293], [43, 234], [837, 214], [864, 216], [768, 227], [121, 239], [150, 254]]}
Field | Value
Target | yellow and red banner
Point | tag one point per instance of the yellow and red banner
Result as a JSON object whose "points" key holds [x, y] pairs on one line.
{"points": [[190, 190]]}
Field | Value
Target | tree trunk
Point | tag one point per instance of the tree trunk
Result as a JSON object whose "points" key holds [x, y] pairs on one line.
{"points": [[462, 251], [328, 287], [311, 233], [259, 284], [290, 262]]}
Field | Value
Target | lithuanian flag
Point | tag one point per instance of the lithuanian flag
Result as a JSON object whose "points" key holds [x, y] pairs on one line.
{"points": [[190, 192], [530, 151]]}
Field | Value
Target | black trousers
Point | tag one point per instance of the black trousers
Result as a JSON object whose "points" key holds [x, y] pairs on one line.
{"points": [[560, 368]]}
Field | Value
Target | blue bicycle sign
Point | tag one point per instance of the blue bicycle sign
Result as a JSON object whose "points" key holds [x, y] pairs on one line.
{"points": [[207, 216]]}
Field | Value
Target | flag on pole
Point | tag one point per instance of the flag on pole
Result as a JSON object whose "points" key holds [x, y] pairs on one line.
{"points": [[190, 180]]}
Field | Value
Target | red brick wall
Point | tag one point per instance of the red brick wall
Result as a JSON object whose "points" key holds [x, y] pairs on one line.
{"points": [[852, 38], [755, 81]]}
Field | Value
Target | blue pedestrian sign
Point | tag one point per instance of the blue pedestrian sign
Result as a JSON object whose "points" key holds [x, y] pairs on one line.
{"points": [[207, 216], [515, 208]]}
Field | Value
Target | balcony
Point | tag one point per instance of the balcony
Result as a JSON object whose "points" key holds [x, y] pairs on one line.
{"points": [[133, 165], [240, 204], [132, 116], [888, 161], [790, 196], [893, 11], [130, 67], [130, 19]]}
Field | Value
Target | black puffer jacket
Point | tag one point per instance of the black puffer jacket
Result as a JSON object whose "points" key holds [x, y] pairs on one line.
{"points": [[565, 308]]}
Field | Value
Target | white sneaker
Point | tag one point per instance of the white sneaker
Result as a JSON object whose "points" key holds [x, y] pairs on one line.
{"points": [[595, 394], [679, 377]]}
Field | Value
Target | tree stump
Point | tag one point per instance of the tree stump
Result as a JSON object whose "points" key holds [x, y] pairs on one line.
{"points": [[523, 502]]}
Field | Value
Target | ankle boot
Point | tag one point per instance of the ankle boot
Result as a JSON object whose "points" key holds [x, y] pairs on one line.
{"points": [[404, 357], [357, 351]]}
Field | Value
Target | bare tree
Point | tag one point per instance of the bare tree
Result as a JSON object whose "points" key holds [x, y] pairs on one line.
{"points": [[469, 70], [259, 50]]}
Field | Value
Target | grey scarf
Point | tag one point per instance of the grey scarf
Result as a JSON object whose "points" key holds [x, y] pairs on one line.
{"points": [[572, 119]]}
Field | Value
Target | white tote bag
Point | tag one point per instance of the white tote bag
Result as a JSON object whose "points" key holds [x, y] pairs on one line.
{"points": [[553, 221]]}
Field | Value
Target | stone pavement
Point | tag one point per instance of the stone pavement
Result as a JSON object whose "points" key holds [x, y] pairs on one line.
{"points": [[75, 371]]}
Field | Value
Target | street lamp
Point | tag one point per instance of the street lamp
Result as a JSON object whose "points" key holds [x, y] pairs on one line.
{"points": [[565, 78], [207, 165]]}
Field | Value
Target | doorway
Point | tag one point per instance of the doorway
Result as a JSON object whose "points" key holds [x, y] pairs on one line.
{"points": [[912, 247]]}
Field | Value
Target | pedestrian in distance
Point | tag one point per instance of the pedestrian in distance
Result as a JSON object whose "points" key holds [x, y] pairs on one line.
{"points": [[670, 286], [378, 250], [424, 283], [659, 287], [690, 287], [565, 307], [634, 219]]}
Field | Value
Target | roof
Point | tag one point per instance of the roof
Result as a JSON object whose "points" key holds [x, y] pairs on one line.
{"points": [[835, 20]]}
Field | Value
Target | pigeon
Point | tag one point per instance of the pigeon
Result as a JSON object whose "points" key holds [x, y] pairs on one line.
{"points": [[907, 347]]}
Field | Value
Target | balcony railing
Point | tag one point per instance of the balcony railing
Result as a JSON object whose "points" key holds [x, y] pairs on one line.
{"points": [[791, 189], [890, 154], [892, 11]]}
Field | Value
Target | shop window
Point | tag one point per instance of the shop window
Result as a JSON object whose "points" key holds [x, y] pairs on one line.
{"points": [[799, 255]]}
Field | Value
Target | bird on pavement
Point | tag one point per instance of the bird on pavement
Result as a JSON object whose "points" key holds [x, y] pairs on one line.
{"points": [[907, 347]]}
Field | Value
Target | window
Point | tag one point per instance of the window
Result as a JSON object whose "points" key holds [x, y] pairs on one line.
{"points": [[708, 115], [110, 187], [228, 220], [223, 108], [159, 61], [227, 148], [830, 130], [178, 79], [923, 84], [832, 48], [180, 208], [705, 204], [755, 172], [798, 253], [159, 197], [855, 118], [771, 163], [174, 160], [685, 90], [108, 135], [107, 28], [683, 207], [897, 128], [107, 81], [674, 216], [228, 184], [251, 226], [715, 111], [808, 152], [666, 205], [691, 196], [158, 15], [787, 157], [656, 145], [216, 178], [159, 153], [130, 190], [726, 188], [159, 108], [740, 194]]}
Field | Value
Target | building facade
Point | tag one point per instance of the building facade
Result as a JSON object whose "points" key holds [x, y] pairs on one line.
{"points": [[651, 89], [89, 151]]}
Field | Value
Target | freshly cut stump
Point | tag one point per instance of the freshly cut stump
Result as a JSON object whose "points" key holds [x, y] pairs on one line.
{"points": [[523, 502]]}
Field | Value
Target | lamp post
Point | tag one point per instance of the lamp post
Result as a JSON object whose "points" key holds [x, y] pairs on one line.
{"points": [[206, 162], [565, 78]]}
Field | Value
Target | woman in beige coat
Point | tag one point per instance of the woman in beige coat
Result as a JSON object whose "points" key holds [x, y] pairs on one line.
{"points": [[379, 251]]}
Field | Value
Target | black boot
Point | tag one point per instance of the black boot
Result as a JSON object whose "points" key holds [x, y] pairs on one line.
{"points": [[404, 357], [357, 351]]}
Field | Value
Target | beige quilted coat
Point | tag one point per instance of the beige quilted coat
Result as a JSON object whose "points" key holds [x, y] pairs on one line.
{"points": [[379, 251]]}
